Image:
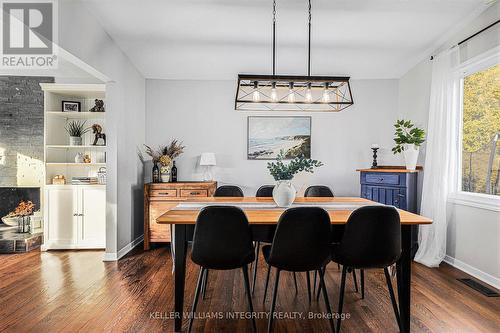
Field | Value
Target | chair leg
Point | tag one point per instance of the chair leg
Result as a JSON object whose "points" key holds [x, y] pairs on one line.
{"points": [[273, 303], [308, 286], [267, 282], [196, 296], [249, 296], [362, 283], [393, 298], [314, 283], [325, 296], [341, 297], [255, 264], [295, 282], [355, 280], [205, 283]]}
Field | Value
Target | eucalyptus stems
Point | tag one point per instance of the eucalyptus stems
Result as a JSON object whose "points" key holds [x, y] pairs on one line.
{"points": [[282, 171]]}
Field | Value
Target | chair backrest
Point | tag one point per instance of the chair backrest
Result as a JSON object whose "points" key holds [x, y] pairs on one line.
{"points": [[265, 191], [222, 238], [372, 238], [228, 191], [318, 191], [302, 240]]}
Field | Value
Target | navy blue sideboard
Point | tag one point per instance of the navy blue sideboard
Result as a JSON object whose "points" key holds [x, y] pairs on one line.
{"points": [[394, 186]]}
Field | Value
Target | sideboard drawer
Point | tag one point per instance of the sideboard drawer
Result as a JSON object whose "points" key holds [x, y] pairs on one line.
{"points": [[194, 193], [384, 178], [163, 193]]}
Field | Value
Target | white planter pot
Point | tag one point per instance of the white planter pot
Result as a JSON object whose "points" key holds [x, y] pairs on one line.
{"points": [[284, 193], [165, 173], [411, 156], [75, 141]]}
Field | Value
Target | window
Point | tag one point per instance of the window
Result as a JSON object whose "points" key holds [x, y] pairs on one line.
{"points": [[481, 132]]}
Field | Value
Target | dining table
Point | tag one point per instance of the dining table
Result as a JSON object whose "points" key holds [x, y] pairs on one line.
{"points": [[263, 215]]}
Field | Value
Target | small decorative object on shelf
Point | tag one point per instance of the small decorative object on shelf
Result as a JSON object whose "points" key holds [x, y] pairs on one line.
{"points": [[98, 107], [86, 159], [156, 173], [79, 158], [174, 173], [76, 129], [58, 180], [375, 147], [408, 139], [284, 192], [97, 131], [165, 155], [20, 216], [69, 106], [101, 176]]}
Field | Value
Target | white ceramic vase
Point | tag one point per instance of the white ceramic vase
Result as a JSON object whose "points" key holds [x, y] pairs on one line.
{"points": [[165, 173], [75, 141], [284, 193], [411, 156]]}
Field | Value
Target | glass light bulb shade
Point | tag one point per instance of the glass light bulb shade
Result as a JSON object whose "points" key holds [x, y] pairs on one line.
{"points": [[326, 96], [256, 96], [308, 95], [291, 96], [274, 95]]}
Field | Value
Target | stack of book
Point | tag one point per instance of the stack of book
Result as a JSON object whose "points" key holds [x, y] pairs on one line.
{"points": [[84, 180]]}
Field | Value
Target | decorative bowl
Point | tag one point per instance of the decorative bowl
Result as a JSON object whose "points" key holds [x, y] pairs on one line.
{"points": [[10, 221]]}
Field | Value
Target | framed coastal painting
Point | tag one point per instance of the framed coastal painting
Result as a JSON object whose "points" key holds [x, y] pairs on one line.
{"points": [[267, 136]]}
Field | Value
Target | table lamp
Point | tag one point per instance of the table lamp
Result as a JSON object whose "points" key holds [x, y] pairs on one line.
{"points": [[207, 160]]}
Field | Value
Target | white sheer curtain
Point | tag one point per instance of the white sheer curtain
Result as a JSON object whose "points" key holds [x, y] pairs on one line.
{"points": [[441, 160]]}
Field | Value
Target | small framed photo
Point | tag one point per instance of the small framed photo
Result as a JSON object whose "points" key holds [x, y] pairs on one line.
{"points": [[69, 106]]}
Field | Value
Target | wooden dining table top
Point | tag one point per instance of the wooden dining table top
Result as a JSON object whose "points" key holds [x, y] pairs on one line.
{"points": [[262, 211]]}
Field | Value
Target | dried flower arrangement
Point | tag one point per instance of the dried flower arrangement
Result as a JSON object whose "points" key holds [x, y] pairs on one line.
{"points": [[25, 208], [165, 154]]}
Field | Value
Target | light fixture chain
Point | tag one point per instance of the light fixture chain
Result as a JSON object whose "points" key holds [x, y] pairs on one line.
{"points": [[309, 43], [274, 37]]}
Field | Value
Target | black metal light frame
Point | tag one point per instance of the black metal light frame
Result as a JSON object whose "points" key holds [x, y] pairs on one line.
{"points": [[291, 92]]}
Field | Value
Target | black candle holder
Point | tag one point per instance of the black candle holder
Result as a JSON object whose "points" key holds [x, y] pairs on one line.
{"points": [[374, 164]]}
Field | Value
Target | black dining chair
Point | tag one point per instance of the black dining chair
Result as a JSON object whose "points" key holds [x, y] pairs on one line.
{"points": [[222, 240], [337, 231], [301, 243], [221, 191], [228, 191], [265, 191], [372, 239]]}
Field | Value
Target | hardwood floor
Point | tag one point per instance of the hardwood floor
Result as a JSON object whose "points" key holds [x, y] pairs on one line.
{"points": [[75, 291]]}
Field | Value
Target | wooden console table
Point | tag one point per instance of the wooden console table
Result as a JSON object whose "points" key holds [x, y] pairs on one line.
{"points": [[160, 197]]}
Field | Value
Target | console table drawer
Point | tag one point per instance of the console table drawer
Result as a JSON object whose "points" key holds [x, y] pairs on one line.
{"points": [[194, 193], [383, 178], [163, 193]]}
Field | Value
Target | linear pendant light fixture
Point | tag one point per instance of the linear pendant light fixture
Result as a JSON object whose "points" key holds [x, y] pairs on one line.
{"points": [[291, 92]]}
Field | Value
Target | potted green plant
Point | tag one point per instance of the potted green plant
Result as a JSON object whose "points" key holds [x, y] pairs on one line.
{"points": [[408, 139], [284, 192], [76, 129]]}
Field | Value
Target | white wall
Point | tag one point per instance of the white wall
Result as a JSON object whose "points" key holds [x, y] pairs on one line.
{"points": [[201, 113], [81, 35], [473, 233]]}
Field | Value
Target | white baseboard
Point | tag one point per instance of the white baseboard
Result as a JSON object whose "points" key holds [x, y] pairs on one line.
{"points": [[478, 274], [114, 256]]}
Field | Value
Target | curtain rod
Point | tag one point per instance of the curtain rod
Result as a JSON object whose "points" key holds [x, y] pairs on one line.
{"points": [[474, 35]]}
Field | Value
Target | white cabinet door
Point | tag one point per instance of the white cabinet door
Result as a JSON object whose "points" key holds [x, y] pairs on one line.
{"points": [[92, 226], [61, 219]]}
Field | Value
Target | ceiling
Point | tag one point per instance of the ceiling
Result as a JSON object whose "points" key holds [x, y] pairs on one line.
{"points": [[217, 39]]}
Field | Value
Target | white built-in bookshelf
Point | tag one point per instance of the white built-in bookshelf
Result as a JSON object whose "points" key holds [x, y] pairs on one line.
{"points": [[59, 154], [74, 215]]}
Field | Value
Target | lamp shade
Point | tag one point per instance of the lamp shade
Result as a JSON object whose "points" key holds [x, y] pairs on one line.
{"points": [[207, 159]]}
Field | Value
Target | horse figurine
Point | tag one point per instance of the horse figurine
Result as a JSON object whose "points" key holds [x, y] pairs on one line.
{"points": [[97, 131]]}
